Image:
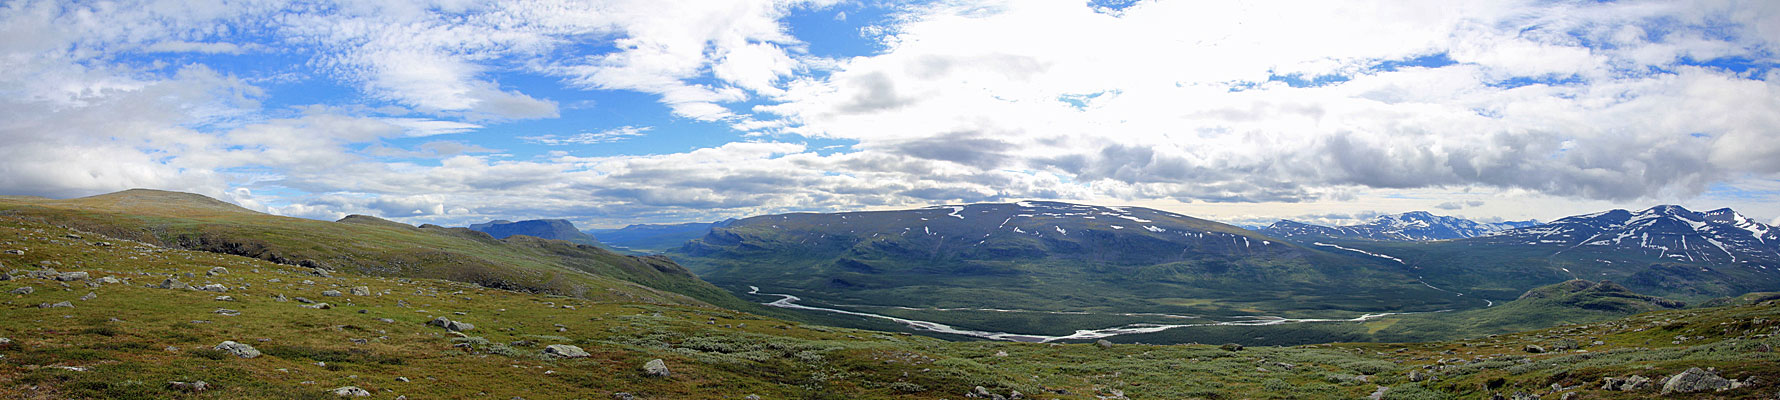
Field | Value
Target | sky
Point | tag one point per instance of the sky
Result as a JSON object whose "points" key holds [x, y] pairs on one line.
{"points": [[610, 113]]}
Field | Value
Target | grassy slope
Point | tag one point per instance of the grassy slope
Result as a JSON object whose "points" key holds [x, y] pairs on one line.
{"points": [[373, 246], [117, 345]]}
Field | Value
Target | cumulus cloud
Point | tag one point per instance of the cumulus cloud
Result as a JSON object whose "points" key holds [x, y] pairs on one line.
{"points": [[980, 100]]}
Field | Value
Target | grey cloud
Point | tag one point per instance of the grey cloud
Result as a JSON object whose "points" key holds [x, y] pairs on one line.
{"points": [[967, 148], [876, 92]]}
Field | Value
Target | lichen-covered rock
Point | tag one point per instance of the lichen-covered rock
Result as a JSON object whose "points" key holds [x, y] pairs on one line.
{"points": [[238, 349], [656, 368], [350, 391], [1694, 380], [565, 351], [450, 325], [217, 271], [171, 283]]}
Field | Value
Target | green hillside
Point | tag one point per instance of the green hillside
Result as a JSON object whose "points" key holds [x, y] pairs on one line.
{"points": [[372, 246], [115, 333]]}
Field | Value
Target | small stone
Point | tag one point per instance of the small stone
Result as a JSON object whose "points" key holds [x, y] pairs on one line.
{"points": [[217, 271], [64, 304], [361, 290], [71, 276], [226, 312], [24, 290], [89, 296], [318, 306], [656, 368], [565, 351], [110, 280], [401, 379], [225, 298], [1533, 348], [238, 349], [350, 391], [304, 300], [330, 293], [192, 387]]}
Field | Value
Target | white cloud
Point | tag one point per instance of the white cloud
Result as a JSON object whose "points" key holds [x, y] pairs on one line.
{"points": [[605, 136]]}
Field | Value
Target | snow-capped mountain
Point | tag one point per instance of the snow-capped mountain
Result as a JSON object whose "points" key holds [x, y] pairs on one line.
{"points": [[1412, 226], [1667, 232]]}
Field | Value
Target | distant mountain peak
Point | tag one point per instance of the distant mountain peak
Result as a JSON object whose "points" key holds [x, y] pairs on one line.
{"points": [[1668, 232], [558, 229]]}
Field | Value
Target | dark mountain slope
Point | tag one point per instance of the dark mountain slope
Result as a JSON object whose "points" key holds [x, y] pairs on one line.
{"points": [[543, 228]]}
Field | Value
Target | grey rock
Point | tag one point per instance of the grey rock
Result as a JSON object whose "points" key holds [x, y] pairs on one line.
{"points": [[238, 349], [110, 280], [16, 252], [304, 300], [623, 396], [1533, 348], [226, 312], [450, 325], [1379, 394], [330, 293], [5, 341], [1694, 380], [1627, 384], [1103, 343], [350, 391], [4, 276], [318, 306], [24, 290], [89, 296], [360, 290], [217, 271], [656, 368], [71, 276], [565, 351], [57, 305], [171, 283], [225, 298], [214, 287]]}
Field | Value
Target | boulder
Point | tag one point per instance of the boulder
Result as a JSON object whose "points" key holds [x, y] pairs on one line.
{"points": [[57, 305], [350, 391], [656, 368], [214, 287], [330, 293], [110, 280], [450, 325], [565, 351], [238, 349], [360, 291], [71, 276], [1103, 343], [1533, 348], [24, 290], [171, 283], [1694, 380], [217, 271]]}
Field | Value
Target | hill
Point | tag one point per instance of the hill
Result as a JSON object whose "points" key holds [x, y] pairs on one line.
{"points": [[556, 229], [372, 246], [101, 325], [1406, 227]]}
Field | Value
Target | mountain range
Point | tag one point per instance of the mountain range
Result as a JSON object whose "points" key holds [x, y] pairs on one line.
{"points": [[654, 237], [1410, 226], [557, 229]]}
